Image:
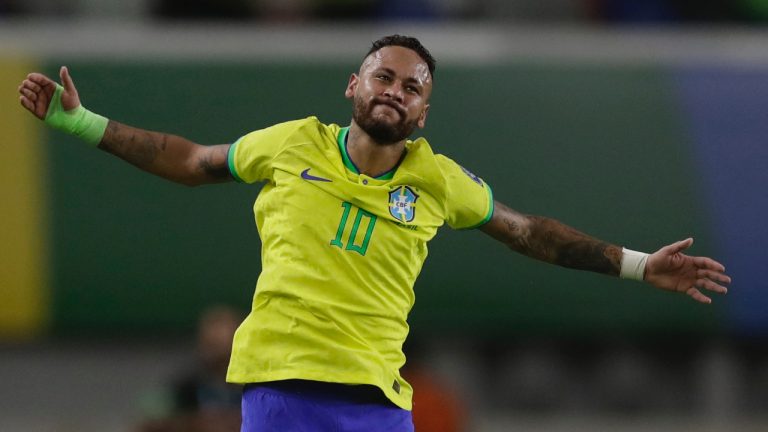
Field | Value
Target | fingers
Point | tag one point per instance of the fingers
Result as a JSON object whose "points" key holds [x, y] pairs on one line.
{"points": [[710, 275], [33, 96], [37, 90], [28, 99], [677, 246], [26, 103], [39, 79], [709, 285], [27, 93], [30, 85], [713, 275], [706, 282], [708, 263], [689, 274], [698, 296], [34, 87], [66, 80]]}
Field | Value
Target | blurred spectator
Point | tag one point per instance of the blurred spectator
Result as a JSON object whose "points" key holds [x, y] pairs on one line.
{"points": [[534, 11], [205, 9], [678, 11], [435, 407], [754, 10], [632, 10], [47, 8], [9, 7], [343, 9], [610, 11], [399, 10], [201, 400]]}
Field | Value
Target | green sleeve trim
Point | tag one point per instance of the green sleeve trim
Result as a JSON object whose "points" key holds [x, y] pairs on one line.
{"points": [[490, 210], [231, 162]]}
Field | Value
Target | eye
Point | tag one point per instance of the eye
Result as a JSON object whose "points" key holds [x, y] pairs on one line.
{"points": [[384, 77], [412, 89]]}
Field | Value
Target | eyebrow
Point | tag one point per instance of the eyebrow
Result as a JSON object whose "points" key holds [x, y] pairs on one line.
{"points": [[410, 79]]}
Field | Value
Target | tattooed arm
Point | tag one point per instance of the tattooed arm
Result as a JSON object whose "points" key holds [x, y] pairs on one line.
{"points": [[169, 156], [551, 241]]}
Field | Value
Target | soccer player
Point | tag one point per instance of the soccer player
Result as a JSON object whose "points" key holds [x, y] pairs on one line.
{"points": [[345, 216]]}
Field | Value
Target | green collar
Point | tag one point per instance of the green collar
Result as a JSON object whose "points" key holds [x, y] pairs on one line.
{"points": [[342, 141]]}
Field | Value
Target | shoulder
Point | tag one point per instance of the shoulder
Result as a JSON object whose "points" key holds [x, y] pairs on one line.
{"points": [[282, 136], [469, 198], [305, 126], [450, 167], [446, 167], [252, 157], [433, 168], [442, 166], [422, 153]]}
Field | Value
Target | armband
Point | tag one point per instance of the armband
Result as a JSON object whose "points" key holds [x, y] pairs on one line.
{"points": [[633, 264], [79, 122]]}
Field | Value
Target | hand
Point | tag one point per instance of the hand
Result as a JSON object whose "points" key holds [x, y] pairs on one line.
{"points": [[669, 269], [37, 91]]}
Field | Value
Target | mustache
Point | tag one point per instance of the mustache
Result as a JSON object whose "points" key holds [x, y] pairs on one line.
{"points": [[394, 105]]}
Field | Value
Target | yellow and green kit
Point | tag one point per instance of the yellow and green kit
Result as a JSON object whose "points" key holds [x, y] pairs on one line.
{"points": [[340, 254]]}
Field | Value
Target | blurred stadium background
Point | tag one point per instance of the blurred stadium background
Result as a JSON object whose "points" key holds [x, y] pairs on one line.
{"points": [[641, 122]]}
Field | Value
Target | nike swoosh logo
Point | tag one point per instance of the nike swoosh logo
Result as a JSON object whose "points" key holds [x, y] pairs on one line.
{"points": [[307, 176]]}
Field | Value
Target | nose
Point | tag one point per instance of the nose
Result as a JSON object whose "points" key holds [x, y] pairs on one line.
{"points": [[394, 91]]}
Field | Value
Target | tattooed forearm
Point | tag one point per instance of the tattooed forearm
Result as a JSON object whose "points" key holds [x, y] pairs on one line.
{"points": [[136, 146], [169, 156], [560, 244], [591, 255], [548, 240]]}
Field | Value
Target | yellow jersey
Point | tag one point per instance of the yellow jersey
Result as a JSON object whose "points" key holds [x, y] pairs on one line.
{"points": [[340, 254]]}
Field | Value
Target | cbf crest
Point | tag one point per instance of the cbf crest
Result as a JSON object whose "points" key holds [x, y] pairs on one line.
{"points": [[401, 203]]}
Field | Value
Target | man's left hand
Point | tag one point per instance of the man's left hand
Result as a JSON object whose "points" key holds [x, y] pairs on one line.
{"points": [[670, 269]]}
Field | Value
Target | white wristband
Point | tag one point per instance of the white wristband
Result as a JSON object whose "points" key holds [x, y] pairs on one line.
{"points": [[633, 264]]}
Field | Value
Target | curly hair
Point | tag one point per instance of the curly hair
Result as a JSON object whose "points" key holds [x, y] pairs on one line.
{"points": [[407, 42]]}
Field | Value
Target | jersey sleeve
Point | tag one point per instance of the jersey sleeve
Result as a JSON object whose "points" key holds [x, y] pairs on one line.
{"points": [[469, 200], [250, 157]]}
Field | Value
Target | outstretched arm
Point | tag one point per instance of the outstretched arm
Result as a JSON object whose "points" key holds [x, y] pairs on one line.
{"points": [[551, 241], [169, 156]]}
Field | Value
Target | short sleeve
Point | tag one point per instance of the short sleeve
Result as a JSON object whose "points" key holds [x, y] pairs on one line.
{"points": [[469, 200], [250, 157]]}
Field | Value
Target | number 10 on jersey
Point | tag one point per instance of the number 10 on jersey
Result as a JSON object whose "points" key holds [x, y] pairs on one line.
{"points": [[362, 245]]}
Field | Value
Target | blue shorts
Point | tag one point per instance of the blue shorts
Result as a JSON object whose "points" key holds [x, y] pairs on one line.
{"points": [[310, 406]]}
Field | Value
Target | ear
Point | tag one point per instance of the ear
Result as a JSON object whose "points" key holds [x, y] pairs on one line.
{"points": [[349, 93], [423, 117]]}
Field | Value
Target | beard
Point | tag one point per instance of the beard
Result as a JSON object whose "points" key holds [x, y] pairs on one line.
{"points": [[382, 132]]}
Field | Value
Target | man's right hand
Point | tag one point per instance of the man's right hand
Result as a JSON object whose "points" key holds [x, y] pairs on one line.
{"points": [[37, 91]]}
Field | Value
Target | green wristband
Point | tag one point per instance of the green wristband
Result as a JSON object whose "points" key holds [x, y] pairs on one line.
{"points": [[79, 122]]}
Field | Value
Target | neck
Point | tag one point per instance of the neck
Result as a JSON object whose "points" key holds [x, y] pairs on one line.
{"points": [[370, 157]]}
